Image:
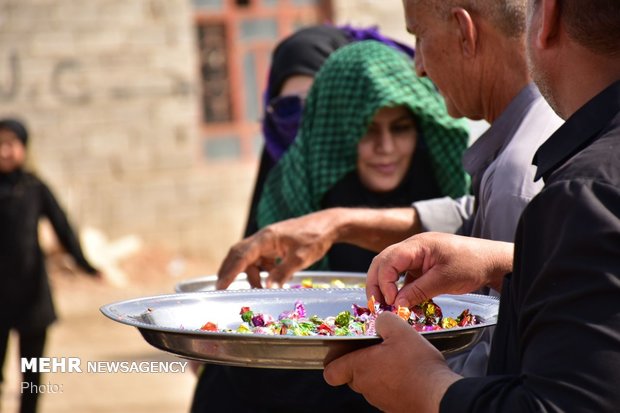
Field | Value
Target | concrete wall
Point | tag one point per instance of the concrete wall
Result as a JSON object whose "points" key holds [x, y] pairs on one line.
{"points": [[387, 14], [108, 90]]}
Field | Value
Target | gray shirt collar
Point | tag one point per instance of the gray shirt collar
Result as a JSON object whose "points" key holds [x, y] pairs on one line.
{"points": [[487, 147]]}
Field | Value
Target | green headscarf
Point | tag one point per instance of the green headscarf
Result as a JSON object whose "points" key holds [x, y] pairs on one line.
{"points": [[352, 85]]}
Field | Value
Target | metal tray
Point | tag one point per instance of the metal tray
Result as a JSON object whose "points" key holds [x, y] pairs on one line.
{"points": [[325, 278], [172, 322]]}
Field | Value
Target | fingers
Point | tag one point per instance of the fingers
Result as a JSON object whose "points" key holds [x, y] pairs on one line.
{"points": [[340, 371], [400, 337], [283, 271], [239, 258], [385, 270], [381, 282], [253, 274], [252, 251], [390, 325], [412, 294], [411, 276], [388, 365]]}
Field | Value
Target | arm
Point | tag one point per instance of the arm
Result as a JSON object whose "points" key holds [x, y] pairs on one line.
{"points": [[405, 372], [302, 241], [563, 309], [377, 229], [453, 216], [557, 333], [373, 229], [435, 264], [66, 236]]}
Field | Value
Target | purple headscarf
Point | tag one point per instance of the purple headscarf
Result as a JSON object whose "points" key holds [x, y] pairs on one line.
{"points": [[303, 53]]}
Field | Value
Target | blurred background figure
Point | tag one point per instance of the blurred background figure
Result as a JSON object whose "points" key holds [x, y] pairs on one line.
{"points": [[25, 299], [372, 134]]}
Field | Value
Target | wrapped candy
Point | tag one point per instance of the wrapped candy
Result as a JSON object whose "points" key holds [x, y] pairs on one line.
{"points": [[424, 317]]}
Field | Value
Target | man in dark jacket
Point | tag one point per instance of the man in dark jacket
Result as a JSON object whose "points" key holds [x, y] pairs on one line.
{"points": [[25, 300], [556, 347]]}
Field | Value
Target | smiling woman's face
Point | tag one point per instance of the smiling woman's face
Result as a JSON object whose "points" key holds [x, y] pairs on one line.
{"points": [[384, 153]]}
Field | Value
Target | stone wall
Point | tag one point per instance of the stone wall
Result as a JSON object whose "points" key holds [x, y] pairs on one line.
{"points": [[108, 89]]}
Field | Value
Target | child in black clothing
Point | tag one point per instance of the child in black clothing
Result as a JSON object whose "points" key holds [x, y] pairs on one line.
{"points": [[25, 300]]}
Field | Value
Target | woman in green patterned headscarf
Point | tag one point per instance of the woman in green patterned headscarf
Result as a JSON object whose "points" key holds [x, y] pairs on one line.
{"points": [[359, 95]]}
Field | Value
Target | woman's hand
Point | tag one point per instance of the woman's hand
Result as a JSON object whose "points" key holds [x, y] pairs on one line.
{"points": [[281, 249]]}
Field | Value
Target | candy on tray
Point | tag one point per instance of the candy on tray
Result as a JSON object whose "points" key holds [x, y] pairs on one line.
{"points": [[360, 321]]}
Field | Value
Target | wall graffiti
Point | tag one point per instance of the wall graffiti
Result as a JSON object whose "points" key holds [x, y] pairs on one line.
{"points": [[9, 82], [67, 82]]}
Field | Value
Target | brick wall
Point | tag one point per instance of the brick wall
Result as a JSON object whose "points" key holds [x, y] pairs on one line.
{"points": [[108, 89]]}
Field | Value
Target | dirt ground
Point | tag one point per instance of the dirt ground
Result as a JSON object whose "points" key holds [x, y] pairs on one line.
{"points": [[82, 331]]}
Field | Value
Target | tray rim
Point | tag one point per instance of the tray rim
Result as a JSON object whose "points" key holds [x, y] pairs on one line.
{"points": [[106, 311], [243, 277]]}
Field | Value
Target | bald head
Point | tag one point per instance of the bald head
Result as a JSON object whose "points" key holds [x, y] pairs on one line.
{"points": [[507, 15]]}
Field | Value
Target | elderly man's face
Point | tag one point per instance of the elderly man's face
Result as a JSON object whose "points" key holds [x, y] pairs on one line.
{"points": [[438, 56]]}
